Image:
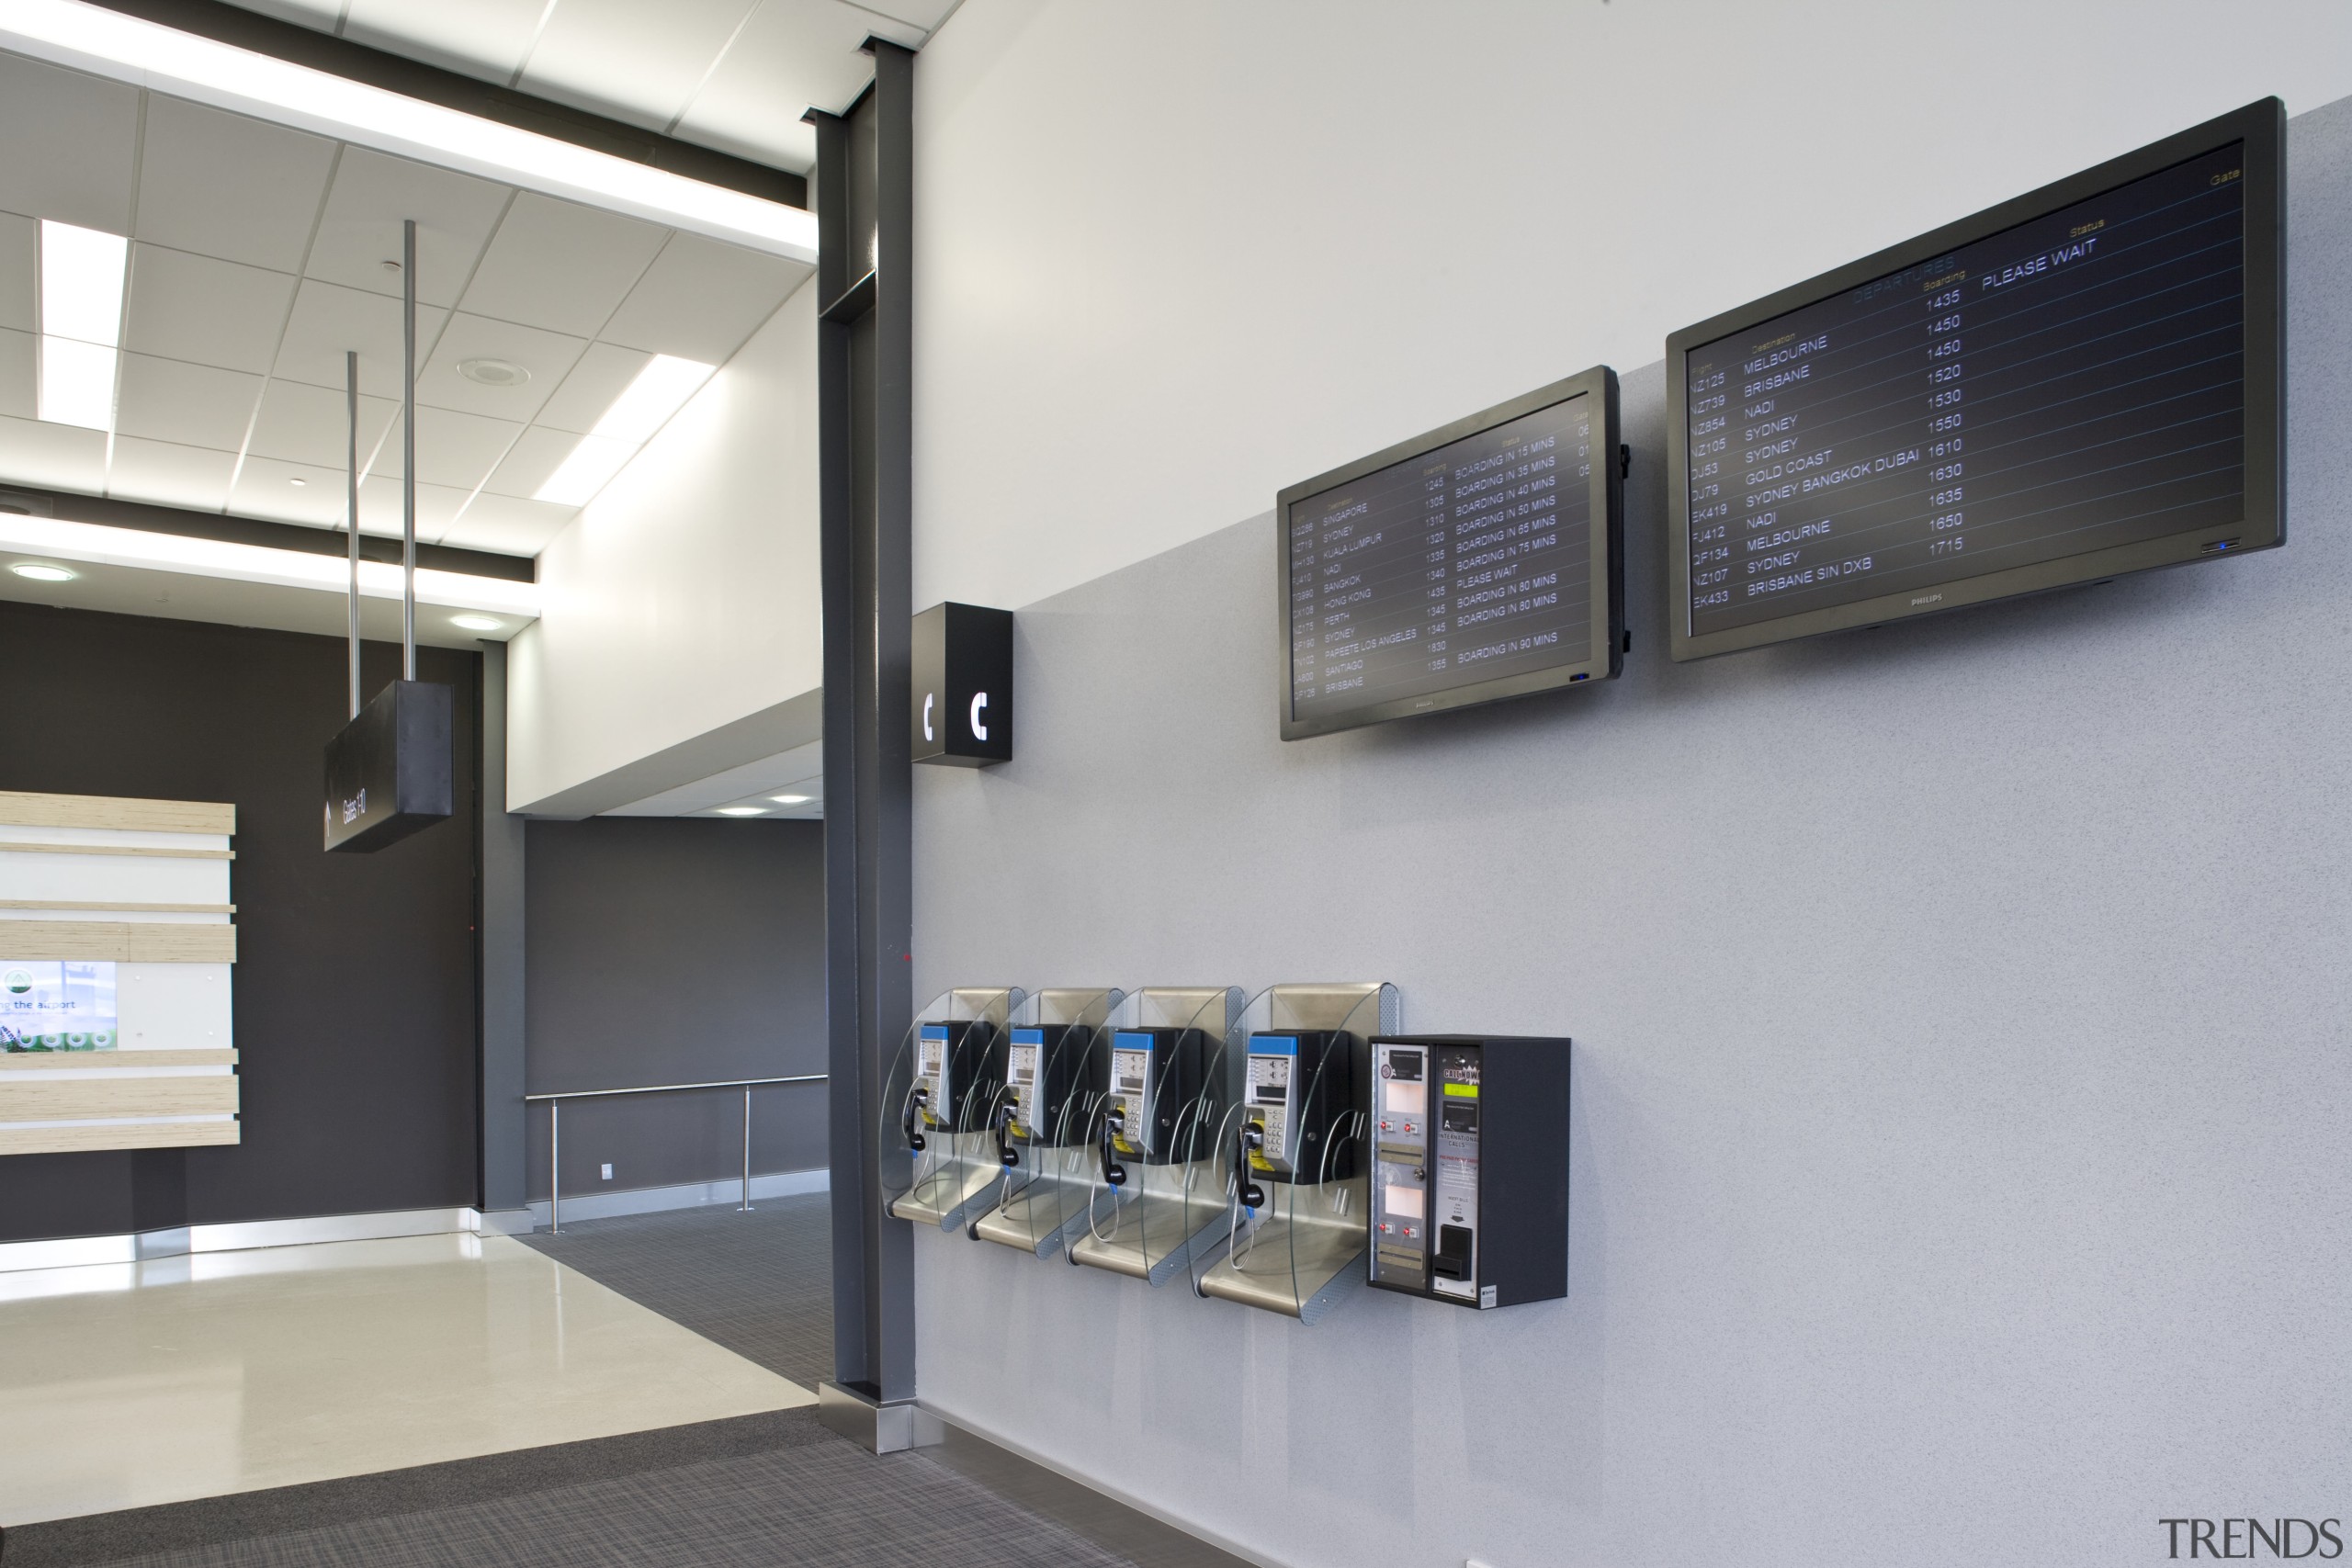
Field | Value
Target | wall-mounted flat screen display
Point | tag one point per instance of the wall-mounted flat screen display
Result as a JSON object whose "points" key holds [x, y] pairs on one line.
{"points": [[48, 1005], [1476, 562], [2081, 382]]}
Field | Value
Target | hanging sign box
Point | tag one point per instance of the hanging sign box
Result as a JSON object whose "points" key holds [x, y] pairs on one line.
{"points": [[389, 773]]}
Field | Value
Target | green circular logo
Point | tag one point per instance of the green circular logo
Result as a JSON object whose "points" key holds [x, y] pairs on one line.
{"points": [[19, 981]]}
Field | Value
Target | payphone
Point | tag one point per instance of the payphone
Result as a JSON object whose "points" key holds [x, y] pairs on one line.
{"points": [[1296, 1225], [1470, 1169], [1155, 1145], [940, 1102], [1057, 1067]]}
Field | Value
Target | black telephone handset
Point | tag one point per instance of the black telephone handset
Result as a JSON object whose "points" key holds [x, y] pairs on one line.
{"points": [[1245, 1187], [1113, 1123], [915, 1102], [1005, 1153]]}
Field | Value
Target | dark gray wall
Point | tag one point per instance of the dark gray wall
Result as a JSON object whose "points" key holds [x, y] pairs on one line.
{"points": [[354, 982], [664, 950], [1958, 1154]]}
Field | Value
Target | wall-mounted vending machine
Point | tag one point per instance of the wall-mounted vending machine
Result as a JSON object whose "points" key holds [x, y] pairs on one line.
{"points": [[1470, 1167], [1056, 1066], [940, 1105], [1156, 1149]]}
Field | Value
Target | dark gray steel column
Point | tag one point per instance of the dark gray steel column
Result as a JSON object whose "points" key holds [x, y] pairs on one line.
{"points": [[864, 197], [500, 921]]}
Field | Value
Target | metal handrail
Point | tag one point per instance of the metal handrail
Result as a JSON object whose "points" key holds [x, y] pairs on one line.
{"points": [[555, 1129]]}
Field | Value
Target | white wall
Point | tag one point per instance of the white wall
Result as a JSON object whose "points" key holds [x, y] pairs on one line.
{"points": [[1958, 1007], [685, 596], [1170, 258]]}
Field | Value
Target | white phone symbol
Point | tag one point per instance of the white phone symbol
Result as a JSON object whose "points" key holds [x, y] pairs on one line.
{"points": [[926, 715], [980, 731]]}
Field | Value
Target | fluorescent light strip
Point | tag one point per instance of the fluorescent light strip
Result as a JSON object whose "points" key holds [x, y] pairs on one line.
{"points": [[81, 323], [644, 405], [76, 384], [590, 467], [89, 38], [102, 546], [81, 283], [660, 391]]}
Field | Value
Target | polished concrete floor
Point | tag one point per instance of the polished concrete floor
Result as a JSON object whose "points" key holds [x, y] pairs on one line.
{"points": [[130, 1385], [759, 1283]]}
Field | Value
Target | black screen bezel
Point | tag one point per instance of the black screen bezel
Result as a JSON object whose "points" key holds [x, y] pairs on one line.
{"points": [[1602, 660], [2262, 127]]}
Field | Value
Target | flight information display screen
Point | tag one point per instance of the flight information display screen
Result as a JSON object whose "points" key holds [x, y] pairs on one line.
{"points": [[2070, 384], [1474, 563]]}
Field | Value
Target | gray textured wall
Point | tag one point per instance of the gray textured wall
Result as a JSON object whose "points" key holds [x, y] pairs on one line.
{"points": [[1960, 1092], [669, 949]]}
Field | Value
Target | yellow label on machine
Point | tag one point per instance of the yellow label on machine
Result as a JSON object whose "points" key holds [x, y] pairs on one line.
{"points": [[1462, 1091]]}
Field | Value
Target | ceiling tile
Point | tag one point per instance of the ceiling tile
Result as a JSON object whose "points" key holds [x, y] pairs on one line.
{"points": [[15, 375], [514, 527], [328, 321], [205, 311], [361, 228], [195, 405], [19, 243], [302, 423], [266, 488], [481, 38], [379, 507], [923, 15], [624, 58], [538, 454], [548, 356], [603, 372], [55, 456], [170, 475], [452, 448], [224, 186], [73, 145], [792, 54], [560, 266], [701, 298]]}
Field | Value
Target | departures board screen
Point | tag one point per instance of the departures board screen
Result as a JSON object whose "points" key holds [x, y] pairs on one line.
{"points": [[1479, 561], [2070, 395]]}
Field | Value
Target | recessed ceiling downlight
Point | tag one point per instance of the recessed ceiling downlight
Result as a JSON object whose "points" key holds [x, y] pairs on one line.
{"points": [[41, 571], [742, 811], [478, 623], [493, 372], [789, 799]]}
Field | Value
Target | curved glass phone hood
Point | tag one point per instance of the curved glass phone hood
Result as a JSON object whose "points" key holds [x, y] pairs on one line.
{"points": [[1294, 1149], [1154, 1143], [940, 1100], [1057, 1066]]}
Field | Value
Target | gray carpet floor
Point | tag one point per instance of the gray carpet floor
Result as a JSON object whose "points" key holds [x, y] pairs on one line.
{"points": [[765, 1490], [761, 1283]]}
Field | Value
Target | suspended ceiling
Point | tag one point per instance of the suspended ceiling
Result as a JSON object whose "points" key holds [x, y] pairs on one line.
{"points": [[259, 255], [733, 75]]}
